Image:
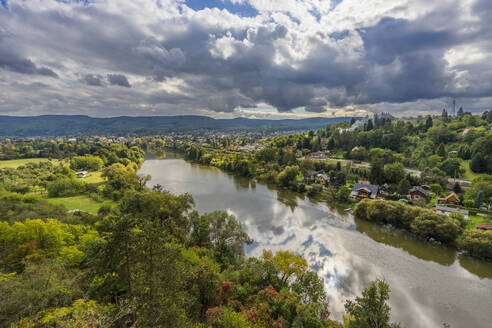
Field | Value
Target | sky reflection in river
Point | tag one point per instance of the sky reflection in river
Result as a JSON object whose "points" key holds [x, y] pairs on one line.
{"points": [[430, 284]]}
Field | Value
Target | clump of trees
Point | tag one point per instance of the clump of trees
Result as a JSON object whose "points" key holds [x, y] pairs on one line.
{"points": [[427, 224], [478, 243], [420, 221], [87, 162]]}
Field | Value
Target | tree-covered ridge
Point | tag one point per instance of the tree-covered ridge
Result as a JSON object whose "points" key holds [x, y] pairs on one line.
{"points": [[78, 125]]}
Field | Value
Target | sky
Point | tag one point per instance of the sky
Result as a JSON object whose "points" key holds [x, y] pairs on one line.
{"points": [[244, 58]]}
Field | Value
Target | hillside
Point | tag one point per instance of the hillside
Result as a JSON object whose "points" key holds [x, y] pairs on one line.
{"points": [[67, 125]]}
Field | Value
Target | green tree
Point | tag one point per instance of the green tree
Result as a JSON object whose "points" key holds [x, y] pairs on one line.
{"points": [[343, 194], [440, 227], [394, 172], [287, 177], [457, 187], [428, 122], [441, 151], [376, 174], [478, 163], [227, 237], [452, 167], [478, 243], [371, 310], [403, 187], [88, 162]]}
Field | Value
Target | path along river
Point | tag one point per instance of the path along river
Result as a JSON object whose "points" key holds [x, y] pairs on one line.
{"points": [[431, 285]]}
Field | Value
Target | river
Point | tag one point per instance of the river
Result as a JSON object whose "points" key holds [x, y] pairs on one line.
{"points": [[431, 285]]}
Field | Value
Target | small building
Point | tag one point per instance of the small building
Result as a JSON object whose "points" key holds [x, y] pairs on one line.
{"points": [[318, 154], [81, 174], [322, 179], [76, 211], [361, 191], [449, 210], [310, 174], [417, 193], [452, 198]]}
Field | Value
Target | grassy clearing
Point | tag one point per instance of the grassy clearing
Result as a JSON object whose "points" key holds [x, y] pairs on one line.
{"points": [[93, 177], [468, 175], [15, 163], [80, 202]]}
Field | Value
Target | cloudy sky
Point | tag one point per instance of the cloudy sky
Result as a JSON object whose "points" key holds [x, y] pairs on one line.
{"points": [[253, 58]]}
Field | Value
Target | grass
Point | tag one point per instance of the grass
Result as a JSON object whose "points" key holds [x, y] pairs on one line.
{"points": [[81, 202], [15, 163], [477, 219], [468, 175], [93, 177]]}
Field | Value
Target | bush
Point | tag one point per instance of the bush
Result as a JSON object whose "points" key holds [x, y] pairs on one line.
{"points": [[478, 243], [421, 221], [360, 210], [436, 188], [88, 162], [315, 189], [440, 227], [62, 187], [343, 194]]}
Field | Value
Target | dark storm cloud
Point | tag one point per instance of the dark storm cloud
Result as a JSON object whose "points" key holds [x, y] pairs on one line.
{"points": [[14, 63], [94, 80], [118, 79], [206, 60]]}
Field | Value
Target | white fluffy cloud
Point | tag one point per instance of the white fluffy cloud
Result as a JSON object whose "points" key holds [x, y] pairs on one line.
{"points": [[142, 57]]}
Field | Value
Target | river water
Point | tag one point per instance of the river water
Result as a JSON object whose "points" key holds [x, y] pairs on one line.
{"points": [[431, 285]]}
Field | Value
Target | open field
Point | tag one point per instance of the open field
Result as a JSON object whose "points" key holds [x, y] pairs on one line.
{"points": [[80, 202], [93, 177], [15, 163]]}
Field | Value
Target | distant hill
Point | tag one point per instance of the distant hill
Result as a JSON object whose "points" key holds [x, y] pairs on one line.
{"points": [[73, 125]]}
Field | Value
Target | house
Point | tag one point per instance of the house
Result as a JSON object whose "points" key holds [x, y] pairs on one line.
{"points": [[361, 191], [318, 154], [81, 174], [322, 178], [310, 174], [449, 210], [452, 198], [417, 193]]}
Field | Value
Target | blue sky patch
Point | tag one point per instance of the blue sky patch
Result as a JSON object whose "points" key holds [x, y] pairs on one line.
{"points": [[243, 10]]}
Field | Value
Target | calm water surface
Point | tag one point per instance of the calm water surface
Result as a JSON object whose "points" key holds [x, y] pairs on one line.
{"points": [[431, 285]]}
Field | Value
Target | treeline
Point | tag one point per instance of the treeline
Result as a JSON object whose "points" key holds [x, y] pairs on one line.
{"points": [[109, 153], [427, 224], [79, 125]]}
